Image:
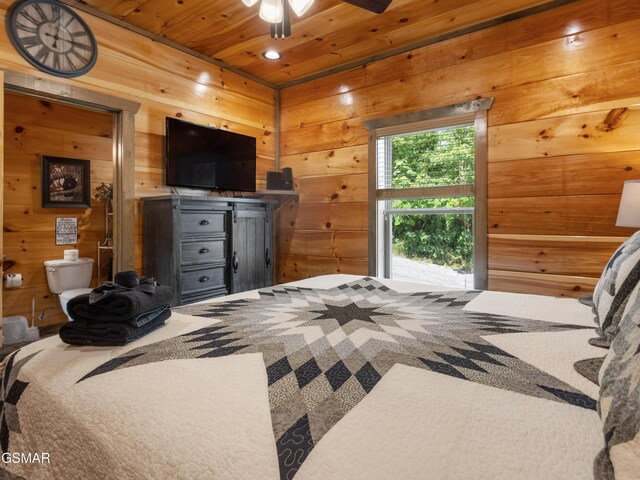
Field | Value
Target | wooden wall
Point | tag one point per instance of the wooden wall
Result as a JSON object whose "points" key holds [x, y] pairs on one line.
{"points": [[167, 83], [563, 137], [32, 128]]}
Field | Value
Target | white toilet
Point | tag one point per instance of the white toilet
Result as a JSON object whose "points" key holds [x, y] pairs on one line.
{"points": [[69, 278]]}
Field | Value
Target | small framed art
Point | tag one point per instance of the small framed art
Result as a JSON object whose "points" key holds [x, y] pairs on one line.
{"points": [[65, 183], [66, 231]]}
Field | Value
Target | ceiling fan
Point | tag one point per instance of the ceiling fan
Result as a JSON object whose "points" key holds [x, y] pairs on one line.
{"points": [[276, 12], [375, 6]]}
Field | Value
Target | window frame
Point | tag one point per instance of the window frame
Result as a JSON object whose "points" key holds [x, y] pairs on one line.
{"points": [[474, 112]]}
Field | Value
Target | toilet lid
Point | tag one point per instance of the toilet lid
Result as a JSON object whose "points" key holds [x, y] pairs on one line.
{"points": [[69, 294], [67, 263]]}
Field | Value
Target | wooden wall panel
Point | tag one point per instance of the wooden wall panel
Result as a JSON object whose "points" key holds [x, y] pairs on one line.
{"points": [[475, 46], [541, 284], [577, 215], [595, 50], [593, 132], [321, 216], [599, 174], [33, 128], [562, 140], [555, 255], [598, 89], [299, 267], [332, 189], [350, 244], [165, 82], [343, 161], [325, 136], [307, 242]]}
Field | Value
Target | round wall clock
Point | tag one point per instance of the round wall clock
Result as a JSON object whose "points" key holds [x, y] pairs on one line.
{"points": [[52, 37]]}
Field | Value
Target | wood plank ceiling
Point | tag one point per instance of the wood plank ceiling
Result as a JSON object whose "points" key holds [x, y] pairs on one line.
{"points": [[332, 33]]}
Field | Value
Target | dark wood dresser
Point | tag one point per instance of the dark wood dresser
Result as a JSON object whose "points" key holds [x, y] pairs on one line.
{"points": [[207, 247]]}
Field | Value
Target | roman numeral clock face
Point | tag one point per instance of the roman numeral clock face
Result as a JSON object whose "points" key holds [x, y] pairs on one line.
{"points": [[52, 37]]}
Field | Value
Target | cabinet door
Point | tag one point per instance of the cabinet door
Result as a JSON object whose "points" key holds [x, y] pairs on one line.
{"points": [[251, 249], [270, 254]]}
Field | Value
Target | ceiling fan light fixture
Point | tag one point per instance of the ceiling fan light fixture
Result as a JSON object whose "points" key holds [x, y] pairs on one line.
{"points": [[300, 7], [276, 12], [282, 29], [271, 11]]}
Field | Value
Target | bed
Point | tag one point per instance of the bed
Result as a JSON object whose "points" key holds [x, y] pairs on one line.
{"points": [[334, 377]]}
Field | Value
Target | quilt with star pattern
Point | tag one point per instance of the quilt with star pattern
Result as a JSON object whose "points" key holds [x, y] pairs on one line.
{"points": [[337, 377]]}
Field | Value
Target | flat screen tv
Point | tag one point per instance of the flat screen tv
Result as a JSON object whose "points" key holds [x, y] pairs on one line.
{"points": [[204, 157]]}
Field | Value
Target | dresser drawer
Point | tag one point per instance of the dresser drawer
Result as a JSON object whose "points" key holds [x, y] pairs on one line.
{"points": [[202, 223], [206, 279], [203, 251]]}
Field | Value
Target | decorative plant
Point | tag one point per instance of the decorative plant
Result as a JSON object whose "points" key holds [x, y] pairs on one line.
{"points": [[104, 192]]}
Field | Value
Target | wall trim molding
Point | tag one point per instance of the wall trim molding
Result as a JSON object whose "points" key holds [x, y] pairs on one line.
{"points": [[62, 92], [453, 110]]}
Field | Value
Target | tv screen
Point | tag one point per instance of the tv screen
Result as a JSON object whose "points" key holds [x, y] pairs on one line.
{"points": [[204, 157]]}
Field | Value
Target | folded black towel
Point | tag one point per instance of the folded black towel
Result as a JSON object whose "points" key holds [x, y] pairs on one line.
{"points": [[110, 333], [127, 279], [103, 292], [147, 317], [120, 305]]}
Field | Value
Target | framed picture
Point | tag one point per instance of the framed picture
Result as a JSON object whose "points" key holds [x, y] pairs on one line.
{"points": [[66, 231], [65, 183]]}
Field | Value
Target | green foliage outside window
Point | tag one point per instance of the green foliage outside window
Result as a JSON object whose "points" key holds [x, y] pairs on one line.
{"points": [[435, 158]]}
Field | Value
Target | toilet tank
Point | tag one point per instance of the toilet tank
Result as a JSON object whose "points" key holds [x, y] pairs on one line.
{"points": [[63, 275]]}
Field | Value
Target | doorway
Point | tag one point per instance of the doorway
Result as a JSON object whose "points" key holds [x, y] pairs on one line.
{"points": [[49, 149], [122, 140]]}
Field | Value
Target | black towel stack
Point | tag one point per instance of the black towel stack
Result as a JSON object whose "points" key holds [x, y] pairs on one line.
{"points": [[118, 313]]}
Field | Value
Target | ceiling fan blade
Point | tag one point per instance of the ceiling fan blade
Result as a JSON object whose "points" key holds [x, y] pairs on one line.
{"points": [[376, 6]]}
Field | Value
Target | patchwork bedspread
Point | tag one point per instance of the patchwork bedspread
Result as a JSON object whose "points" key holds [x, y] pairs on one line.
{"points": [[333, 377]]}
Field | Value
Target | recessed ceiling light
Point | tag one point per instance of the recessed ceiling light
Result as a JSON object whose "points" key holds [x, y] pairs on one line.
{"points": [[272, 55]]}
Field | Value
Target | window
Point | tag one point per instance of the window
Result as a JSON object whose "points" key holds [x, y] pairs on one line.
{"points": [[428, 197]]}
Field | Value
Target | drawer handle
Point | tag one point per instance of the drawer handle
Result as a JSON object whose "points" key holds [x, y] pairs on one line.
{"points": [[204, 222], [203, 279], [204, 250], [267, 257], [236, 262]]}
